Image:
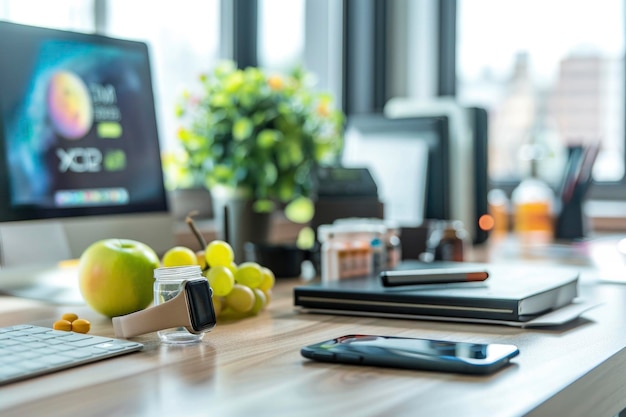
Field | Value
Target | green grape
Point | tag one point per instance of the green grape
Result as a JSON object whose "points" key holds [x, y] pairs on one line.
{"points": [[268, 296], [219, 253], [179, 256], [240, 299], [233, 267], [221, 280], [268, 279], [219, 304], [249, 274], [260, 301]]}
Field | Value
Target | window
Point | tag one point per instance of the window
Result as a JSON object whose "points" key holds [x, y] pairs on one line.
{"points": [[551, 74], [281, 34], [183, 38], [62, 14]]}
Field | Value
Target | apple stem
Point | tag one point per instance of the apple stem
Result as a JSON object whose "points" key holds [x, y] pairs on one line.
{"points": [[195, 230]]}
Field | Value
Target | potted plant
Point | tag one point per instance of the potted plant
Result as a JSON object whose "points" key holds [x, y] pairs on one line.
{"points": [[255, 139]]}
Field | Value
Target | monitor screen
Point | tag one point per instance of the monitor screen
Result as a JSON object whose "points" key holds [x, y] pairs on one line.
{"points": [[408, 161], [78, 138], [78, 131]]}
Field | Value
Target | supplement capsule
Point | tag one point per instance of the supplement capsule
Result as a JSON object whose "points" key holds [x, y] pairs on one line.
{"points": [[62, 325], [81, 326], [69, 317]]}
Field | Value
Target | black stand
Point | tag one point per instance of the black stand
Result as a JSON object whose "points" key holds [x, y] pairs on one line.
{"points": [[571, 222]]}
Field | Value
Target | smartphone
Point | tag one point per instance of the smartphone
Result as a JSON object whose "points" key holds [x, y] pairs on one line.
{"points": [[413, 353]]}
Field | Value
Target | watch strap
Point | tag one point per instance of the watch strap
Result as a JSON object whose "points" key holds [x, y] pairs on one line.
{"points": [[173, 313]]}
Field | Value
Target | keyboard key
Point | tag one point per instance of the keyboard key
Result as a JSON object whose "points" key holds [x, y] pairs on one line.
{"points": [[31, 365], [37, 330], [77, 354], [87, 342], [74, 337], [55, 360], [24, 339], [9, 371], [28, 354], [8, 342]]}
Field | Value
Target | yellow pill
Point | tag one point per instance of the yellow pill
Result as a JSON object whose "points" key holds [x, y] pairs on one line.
{"points": [[62, 325], [81, 326], [69, 317]]}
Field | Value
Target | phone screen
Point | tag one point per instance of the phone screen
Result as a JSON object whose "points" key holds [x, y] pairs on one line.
{"points": [[413, 353]]}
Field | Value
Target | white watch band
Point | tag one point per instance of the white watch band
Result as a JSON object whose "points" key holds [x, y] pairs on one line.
{"points": [[173, 313]]}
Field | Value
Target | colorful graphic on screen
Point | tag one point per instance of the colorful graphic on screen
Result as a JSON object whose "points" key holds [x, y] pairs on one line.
{"points": [[69, 105], [79, 125]]}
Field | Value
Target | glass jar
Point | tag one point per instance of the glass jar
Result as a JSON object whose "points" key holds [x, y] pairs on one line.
{"points": [[167, 285]]}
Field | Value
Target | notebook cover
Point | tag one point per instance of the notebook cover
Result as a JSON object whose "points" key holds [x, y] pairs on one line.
{"points": [[510, 293]]}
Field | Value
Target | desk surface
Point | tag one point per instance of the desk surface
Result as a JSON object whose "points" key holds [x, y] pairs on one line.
{"points": [[252, 367]]}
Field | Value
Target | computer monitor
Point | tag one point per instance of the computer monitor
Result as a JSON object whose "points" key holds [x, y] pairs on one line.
{"points": [[79, 150], [427, 165], [408, 159], [466, 155]]}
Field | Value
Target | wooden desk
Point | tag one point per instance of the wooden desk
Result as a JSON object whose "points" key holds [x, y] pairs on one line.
{"points": [[253, 367]]}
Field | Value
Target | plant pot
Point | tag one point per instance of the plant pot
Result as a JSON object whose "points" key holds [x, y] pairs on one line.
{"points": [[184, 201], [235, 220], [285, 260]]}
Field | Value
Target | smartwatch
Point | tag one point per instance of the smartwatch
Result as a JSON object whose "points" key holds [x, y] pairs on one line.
{"points": [[192, 308]]}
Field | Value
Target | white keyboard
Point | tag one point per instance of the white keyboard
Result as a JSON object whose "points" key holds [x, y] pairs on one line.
{"points": [[27, 351]]}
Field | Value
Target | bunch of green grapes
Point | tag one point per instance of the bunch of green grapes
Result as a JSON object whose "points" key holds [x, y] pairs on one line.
{"points": [[238, 290]]}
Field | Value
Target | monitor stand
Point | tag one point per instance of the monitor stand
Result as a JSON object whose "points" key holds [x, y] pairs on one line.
{"points": [[29, 263], [25, 243]]}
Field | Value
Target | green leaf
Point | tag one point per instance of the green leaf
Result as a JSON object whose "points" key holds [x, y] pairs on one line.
{"points": [[223, 173], [270, 173], [233, 82], [295, 154], [221, 100], [242, 129], [300, 210], [306, 238], [263, 206], [267, 137]]}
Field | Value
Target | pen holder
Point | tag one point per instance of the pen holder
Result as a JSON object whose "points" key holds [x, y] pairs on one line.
{"points": [[571, 223]]}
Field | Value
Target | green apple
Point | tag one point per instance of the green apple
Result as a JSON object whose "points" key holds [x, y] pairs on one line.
{"points": [[116, 276]]}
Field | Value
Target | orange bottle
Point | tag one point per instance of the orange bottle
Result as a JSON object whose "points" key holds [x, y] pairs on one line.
{"points": [[533, 209]]}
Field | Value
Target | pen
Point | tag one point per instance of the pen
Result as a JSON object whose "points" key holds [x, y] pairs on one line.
{"points": [[431, 276]]}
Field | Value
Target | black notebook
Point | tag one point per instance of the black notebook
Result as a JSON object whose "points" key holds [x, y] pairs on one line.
{"points": [[511, 293]]}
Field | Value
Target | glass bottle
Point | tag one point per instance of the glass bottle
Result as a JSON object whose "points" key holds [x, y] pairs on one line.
{"points": [[499, 210], [167, 285], [447, 241], [393, 245], [533, 203], [453, 243]]}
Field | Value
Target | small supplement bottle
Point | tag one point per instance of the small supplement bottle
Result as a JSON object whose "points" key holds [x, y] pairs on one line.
{"points": [[378, 248], [167, 285], [346, 251], [393, 245], [453, 243], [447, 241]]}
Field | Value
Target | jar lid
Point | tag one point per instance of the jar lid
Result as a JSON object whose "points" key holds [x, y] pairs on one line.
{"points": [[177, 272]]}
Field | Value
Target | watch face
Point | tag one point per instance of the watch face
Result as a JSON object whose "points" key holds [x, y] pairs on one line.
{"points": [[200, 305]]}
